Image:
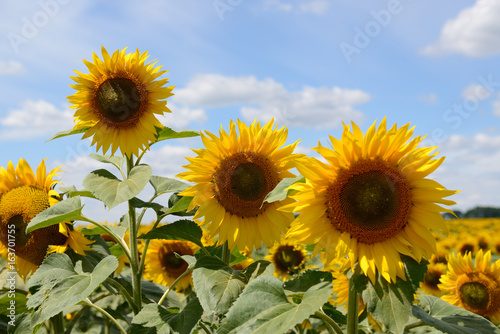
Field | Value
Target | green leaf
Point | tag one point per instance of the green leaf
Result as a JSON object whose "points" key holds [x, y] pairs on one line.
{"points": [[279, 193], [180, 230], [179, 204], [82, 193], [112, 191], [68, 133], [98, 230], [139, 204], [217, 285], [68, 210], [168, 133], [155, 319], [57, 285], [451, 319], [163, 185], [116, 161], [307, 279], [264, 308], [256, 269], [391, 304], [18, 300]]}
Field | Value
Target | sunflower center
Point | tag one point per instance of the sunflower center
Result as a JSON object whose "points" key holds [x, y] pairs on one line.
{"points": [[17, 207], [118, 99], [432, 279], [466, 248], [475, 295], [371, 200], [242, 181], [174, 263], [287, 259]]}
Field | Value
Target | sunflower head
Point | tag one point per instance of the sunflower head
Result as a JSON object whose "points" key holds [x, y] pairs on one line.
{"points": [[431, 279], [288, 258], [23, 195], [474, 288], [118, 99], [233, 175], [371, 200]]}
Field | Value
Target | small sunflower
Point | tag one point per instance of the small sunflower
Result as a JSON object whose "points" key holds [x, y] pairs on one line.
{"points": [[288, 258], [430, 285], [23, 195], [474, 289], [164, 267], [340, 290], [233, 175], [371, 200], [118, 101]]}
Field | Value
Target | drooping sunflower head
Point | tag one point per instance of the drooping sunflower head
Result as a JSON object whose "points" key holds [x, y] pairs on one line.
{"points": [[289, 258], [164, 267], [118, 101], [476, 289], [371, 200], [23, 195], [233, 175]]}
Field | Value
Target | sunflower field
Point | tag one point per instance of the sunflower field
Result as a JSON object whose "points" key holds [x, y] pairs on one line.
{"points": [[250, 238]]}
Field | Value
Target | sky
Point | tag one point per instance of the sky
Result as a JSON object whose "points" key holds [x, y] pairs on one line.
{"points": [[310, 64]]}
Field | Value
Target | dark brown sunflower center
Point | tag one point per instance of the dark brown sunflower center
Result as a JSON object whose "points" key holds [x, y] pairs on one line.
{"points": [[118, 99], [371, 200], [17, 208], [432, 279], [483, 244], [475, 295], [242, 181], [174, 263], [466, 248], [287, 259]]}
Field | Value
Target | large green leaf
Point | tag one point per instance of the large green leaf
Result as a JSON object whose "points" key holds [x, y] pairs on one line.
{"points": [[68, 210], [168, 133], [12, 301], [279, 193], [180, 230], [155, 319], [163, 185], [307, 279], [57, 284], [391, 304], [68, 133], [113, 191], [116, 161], [179, 204], [217, 285], [451, 319], [263, 307]]}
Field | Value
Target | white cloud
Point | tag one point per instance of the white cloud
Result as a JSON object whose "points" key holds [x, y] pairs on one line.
{"points": [[264, 99], [10, 68], [475, 32], [496, 107], [182, 116], [431, 99], [317, 7], [476, 92], [35, 119], [168, 159]]}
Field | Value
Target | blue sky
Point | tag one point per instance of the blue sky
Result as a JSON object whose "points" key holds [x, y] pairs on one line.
{"points": [[311, 64]]}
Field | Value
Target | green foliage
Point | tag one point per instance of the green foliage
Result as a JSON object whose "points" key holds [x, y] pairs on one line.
{"points": [[450, 319], [116, 161], [307, 279], [68, 210], [113, 191], [167, 133], [68, 133], [180, 230], [163, 185], [155, 319], [179, 204], [58, 284], [279, 193], [263, 307]]}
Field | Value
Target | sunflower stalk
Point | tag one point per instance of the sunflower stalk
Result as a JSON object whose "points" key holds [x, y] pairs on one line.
{"points": [[331, 325], [134, 259], [352, 308], [226, 253], [172, 286], [58, 323]]}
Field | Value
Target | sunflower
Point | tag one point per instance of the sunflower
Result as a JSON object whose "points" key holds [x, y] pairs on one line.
{"points": [[164, 267], [340, 291], [233, 175], [371, 200], [288, 258], [117, 101], [431, 279], [474, 289], [22, 196]]}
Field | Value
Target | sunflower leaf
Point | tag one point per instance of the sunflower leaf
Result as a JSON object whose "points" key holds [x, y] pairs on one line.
{"points": [[163, 185], [179, 204], [279, 193], [168, 133], [180, 230], [156, 319], [68, 210], [116, 161], [68, 133], [451, 319], [263, 307], [306, 280], [112, 191], [56, 285]]}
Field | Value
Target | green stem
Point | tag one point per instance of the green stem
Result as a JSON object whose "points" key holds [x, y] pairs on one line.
{"points": [[145, 249], [109, 316], [125, 293], [162, 299], [414, 325], [75, 319], [226, 252], [332, 326], [352, 308], [134, 259], [202, 325], [58, 323]]}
